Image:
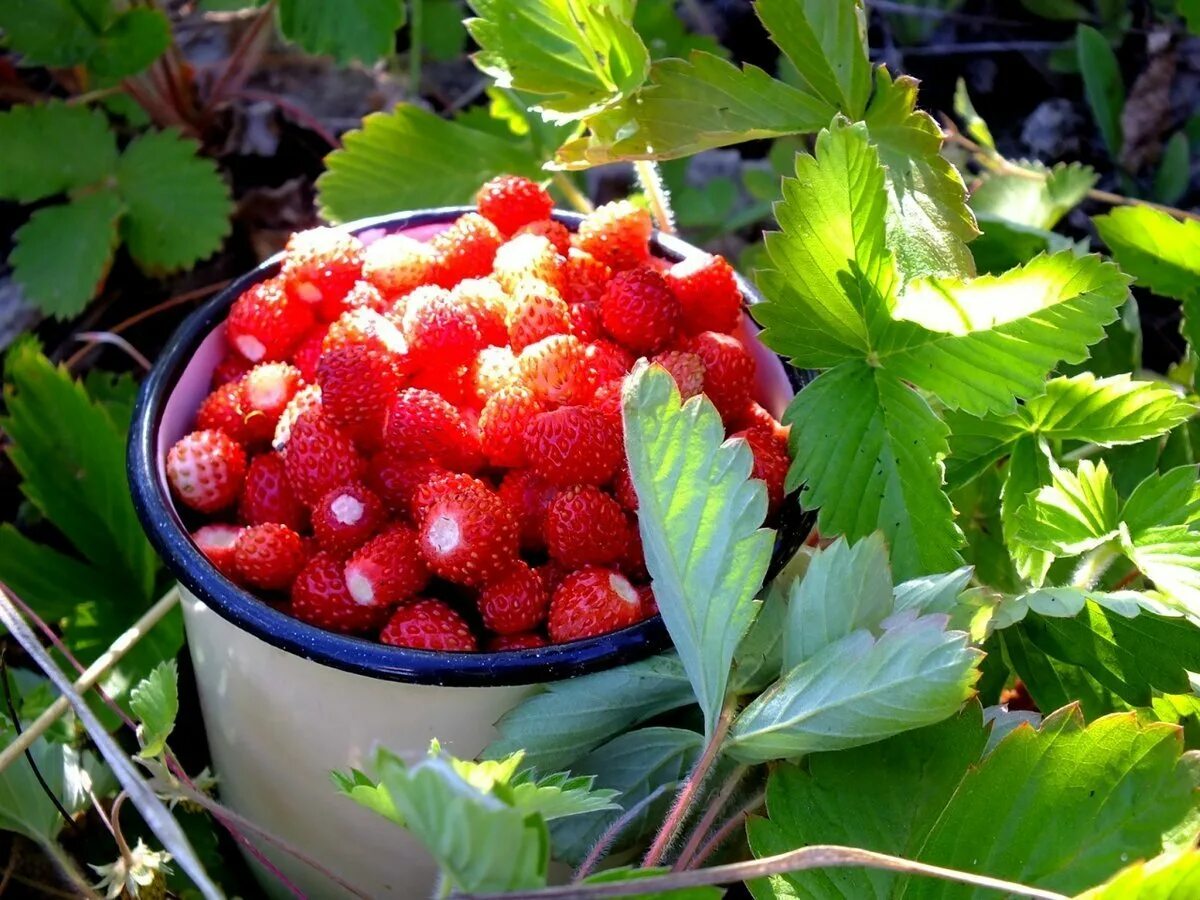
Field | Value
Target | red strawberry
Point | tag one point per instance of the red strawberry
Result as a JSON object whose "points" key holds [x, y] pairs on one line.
{"points": [[269, 556], [515, 601], [584, 277], [469, 536], [222, 411], [771, 462], [511, 201], [585, 525], [231, 368], [394, 479], [492, 369], [320, 597], [529, 640], [428, 625], [487, 303], [686, 368], [206, 470], [607, 400], [553, 572], [319, 268], [555, 232], [396, 264], [267, 495], [574, 445], [639, 310], [624, 490], [307, 354], [557, 370], [528, 495], [586, 323], [633, 564], [537, 312], [617, 234], [590, 602], [420, 424], [439, 328], [753, 414], [728, 370], [648, 602], [608, 361], [216, 542], [387, 569], [357, 386], [267, 389], [364, 295], [465, 250], [437, 486], [528, 256], [345, 517], [366, 326], [265, 324], [319, 456], [707, 291], [502, 424], [307, 399]]}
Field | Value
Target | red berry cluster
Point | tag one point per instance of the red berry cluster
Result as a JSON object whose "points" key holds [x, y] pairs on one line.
{"points": [[422, 441]]}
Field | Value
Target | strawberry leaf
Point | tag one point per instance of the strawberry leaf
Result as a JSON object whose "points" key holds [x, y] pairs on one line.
{"points": [[51, 148], [1167, 877], [155, 702], [346, 30], [1075, 513], [1037, 199]]}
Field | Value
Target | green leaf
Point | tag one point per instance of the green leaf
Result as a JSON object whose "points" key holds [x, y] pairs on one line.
{"points": [[1039, 201], [155, 702], [827, 43], [932, 593], [136, 38], [49, 148], [409, 159], [1054, 684], [665, 34], [858, 690], [1163, 254], [1076, 512], [1170, 557], [890, 480], [846, 588], [974, 124], [1064, 10], [1169, 877], [178, 205], [346, 30], [50, 581], [578, 57], [561, 795], [571, 718], [1102, 84], [1174, 170], [700, 516], [83, 231], [53, 32], [1006, 244], [367, 792], [1190, 10], [443, 37], [627, 873], [885, 797]]}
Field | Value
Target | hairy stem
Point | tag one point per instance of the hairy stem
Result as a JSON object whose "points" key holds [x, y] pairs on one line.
{"points": [[66, 865], [726, 830], [710, 816], [1094, 564], [577, 198], [613, 831], [656, 194]]}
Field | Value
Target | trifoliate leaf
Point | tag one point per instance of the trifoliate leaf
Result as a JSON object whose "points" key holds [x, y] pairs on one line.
{"points": [[1054, 684], [870, 458], [1005, 244], [827, 43], [973, 123], [410, 158], [53, 32], [846, 588], [561, 795], [1168, 877], [1039, 201], [1102, 84], [367, 792], [1076, 512], [578, 56], [178, 206], [700, 516], [759, 656], [49, 148], [83, 231], [155, 702], [1166, 498], [932, 593], [570, 718], [1170, 557], [135, 39], [859, 690], [346, 30]]}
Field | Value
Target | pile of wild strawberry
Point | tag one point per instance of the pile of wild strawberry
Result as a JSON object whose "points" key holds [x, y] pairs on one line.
{"points": [[422, 441]]}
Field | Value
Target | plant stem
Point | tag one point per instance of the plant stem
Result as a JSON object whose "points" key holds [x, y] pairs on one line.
{"points": [[722, 834], [414, 47], [1094, 564], [67, 866], [656, 194], [710, 816], [612, 832], [691, 787], [237, 57], [574, 195]]}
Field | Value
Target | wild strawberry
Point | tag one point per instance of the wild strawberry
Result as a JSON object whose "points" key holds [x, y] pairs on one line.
{"points": [[464, 250], [708, 293], [555, 232], [728, 370], [648, 602], [585, 525], [502, 424], [511, 201], [624, 490], [528, 495], [206, 470], [267, 389], [488, 304], [319, 268], [617, 234], [584, 277], [553, 572], [345, 517], [754, 414], [608, 361], [319, 456], [771, 462], [436, 486], [591, 602], [686, 368], [515, 601], [396, 264], [216, 542], [265, 324], [222, 411], [528, 256], [633, 563], [428, 625], [492, 369], [231, 368], [585, 321], [320, 597], [439, 328], [639, 310], [268, 497], [502, 643], [556, 369], [469, 536], [368, 327], [537, 312], [607, 400], [309, 398], [269, 556], [307, 354], [420, 424], [357, 385], [573, 445], [393, 478], [364, 295], [387, 569]]}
